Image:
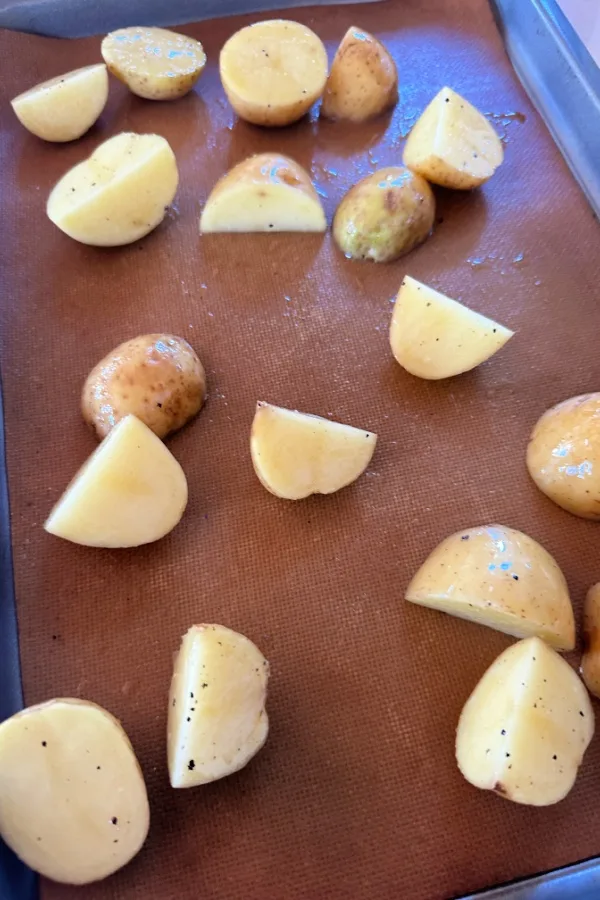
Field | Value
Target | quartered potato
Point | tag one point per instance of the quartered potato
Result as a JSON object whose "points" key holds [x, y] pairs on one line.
{"points": [[501, 578], [154, 63], [296, 454], [131, 491], [65, 107], [590, 661], [526, 726], [435, 337], [267, 192], [217, 717], [73, 803], [453, 144], [273, 71], [363, 81], [117, 195]]}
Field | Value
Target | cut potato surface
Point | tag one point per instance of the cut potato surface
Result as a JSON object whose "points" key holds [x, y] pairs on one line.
{"points": [[73, 802], [435, 337], [590, 661], [501, 578], [131, 491], [273, 71], [453, 144], [363, 81], [526, 726], [217, 717], [297, 454], [117, 195], [65, 107], [267, 192]]}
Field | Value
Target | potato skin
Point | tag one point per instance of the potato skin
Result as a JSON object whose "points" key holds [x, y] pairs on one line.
{"points": [[156, 377], [363, 81], [590, 660]]}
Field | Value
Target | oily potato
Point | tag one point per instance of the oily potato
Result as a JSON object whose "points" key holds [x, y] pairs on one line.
{"points": [[363, 81], [563, 455], [384, 216], [526, 726], [156, 377], [590, 661], [73, 802], [273, 71], [65, 107], [501, 578]]}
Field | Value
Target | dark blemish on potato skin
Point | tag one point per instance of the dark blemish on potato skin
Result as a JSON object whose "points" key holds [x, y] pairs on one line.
{"points": [[191, 765], [499, 788]]}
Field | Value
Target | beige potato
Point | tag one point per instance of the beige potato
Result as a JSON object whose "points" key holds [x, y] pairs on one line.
{"points": [[217, 717], [363, 81], [384, 216], [501, 578], [526, 726], [154, 63], [117, 195], [563, 456], [453, 144], [156, 377], [65, 107], [590, 661], [266, 192], [73, 803], [273, 71]]}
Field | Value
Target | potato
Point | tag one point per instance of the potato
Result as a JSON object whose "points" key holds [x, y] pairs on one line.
{"points": [[73, 802], [524, 729], [156, 377], [563, 456], [273, 71], [434, 337], [501, 578], [65, 107], [590, 661], [363, 81], [453, 144], [296, 454], [384, 216], [117, 195], [267, 192], [217, 717], [131, 491], [154, 63]]}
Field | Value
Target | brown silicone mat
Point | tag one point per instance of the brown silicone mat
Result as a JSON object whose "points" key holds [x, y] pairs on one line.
{"points": [[356, 794]]}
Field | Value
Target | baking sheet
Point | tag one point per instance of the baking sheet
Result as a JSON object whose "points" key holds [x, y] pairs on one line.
{"points": [[356, 792]]}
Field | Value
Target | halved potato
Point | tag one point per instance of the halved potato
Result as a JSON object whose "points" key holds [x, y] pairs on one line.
{"points": [[73, 802], [217, 717], [435, 337], [453, 144], [501, 578], [267, 192], [117, 195], [131, 491], [363, 81], [297, 454], [65, 107], [526, 726], [590, 661], [273, 71]]}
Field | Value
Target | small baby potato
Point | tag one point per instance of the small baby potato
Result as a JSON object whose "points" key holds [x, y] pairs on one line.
{"points": [[590, 661], [273, 71], [156, 377], [384, 216], [65, 107], [563, 456], [363, 81], [154, 63]]}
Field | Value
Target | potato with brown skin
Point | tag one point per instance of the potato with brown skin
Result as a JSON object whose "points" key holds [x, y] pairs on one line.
{"points": [[363, 81], [156, 377], [590, 661]]}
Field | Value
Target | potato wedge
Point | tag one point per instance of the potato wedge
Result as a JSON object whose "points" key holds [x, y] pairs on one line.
{"points": [[590, 661], [117, 195], [73, 802], [273, 71], [297, 454], [217, 716], [131, 491], [501, 578], [363, 81], [526, 726], [65, 107], [453, 144], [434, 337]]}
